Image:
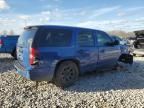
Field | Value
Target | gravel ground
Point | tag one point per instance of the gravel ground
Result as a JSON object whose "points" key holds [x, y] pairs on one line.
{"points": [[109, 89]]}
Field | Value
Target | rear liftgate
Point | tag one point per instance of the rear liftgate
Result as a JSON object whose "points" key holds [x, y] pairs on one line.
{"points": [[126, 58]]}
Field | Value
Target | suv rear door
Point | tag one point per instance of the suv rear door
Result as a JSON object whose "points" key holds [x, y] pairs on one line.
{"points": [[108, 54], [24, 44]]}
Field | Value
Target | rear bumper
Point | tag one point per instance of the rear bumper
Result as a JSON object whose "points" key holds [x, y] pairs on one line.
{"points": [[35, 74], [21, 70]]}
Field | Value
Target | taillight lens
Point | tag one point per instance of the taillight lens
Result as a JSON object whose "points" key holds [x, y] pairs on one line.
{"points": [[1, 43], [33, 56]]}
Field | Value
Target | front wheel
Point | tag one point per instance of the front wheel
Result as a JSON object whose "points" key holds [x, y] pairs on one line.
{"points": [[66, 74]]}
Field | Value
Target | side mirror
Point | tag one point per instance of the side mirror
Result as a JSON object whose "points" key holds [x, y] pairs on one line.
{"points": [[116, 42]]}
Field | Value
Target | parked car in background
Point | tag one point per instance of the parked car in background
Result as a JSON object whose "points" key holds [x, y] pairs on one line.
{"points": [[60, 53], [138, 43], [8, 44]]}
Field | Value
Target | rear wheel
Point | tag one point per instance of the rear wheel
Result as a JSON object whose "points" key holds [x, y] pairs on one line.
{"points": [[66, 74]]}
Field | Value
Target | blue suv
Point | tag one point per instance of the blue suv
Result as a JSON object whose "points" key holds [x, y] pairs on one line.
{"points": [[60, 53]]}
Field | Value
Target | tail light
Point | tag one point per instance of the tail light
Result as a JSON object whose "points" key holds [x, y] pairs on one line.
{"points": [[33, 56], [1, 43]]}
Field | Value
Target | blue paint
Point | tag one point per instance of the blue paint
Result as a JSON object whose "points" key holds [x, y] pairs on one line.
{"points": [[89, 58], [8, 43]]}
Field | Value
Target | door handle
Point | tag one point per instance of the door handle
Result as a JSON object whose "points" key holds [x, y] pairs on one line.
{"points": [[81, 51]]}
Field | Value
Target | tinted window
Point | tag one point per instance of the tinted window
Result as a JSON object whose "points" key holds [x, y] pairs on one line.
{"points": [[116, 38], [54, 38], [103, 38], [27, 34], [85, 39]]}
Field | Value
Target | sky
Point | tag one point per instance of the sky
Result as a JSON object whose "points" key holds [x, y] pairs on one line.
{"points": [[127, 15]]}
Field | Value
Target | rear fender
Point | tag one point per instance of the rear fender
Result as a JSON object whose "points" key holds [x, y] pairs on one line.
{"points": [[126, 58]]}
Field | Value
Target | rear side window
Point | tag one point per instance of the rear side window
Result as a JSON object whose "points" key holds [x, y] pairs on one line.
{"points": [[54, 38], [27, 35], [85, 39]]}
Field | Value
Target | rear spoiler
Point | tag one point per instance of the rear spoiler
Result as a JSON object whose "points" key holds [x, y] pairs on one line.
{"points": [[30, 27]]}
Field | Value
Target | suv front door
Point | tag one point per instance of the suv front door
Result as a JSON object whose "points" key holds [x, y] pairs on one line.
{"points": [[86, 50], [108, 54]]}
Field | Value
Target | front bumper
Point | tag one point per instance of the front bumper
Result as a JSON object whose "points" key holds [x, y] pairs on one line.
{"points": [[126, 58], [35, 74]]}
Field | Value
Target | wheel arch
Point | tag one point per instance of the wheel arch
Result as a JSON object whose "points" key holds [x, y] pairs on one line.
{"points": [[65, 60]]}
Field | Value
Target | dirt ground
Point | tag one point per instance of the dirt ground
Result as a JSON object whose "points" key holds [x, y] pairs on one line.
{"points": [[107, 89]]}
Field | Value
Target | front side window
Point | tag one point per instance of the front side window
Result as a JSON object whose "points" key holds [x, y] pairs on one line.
{"points": [[85, 39], [103, 39], [54, 38]]}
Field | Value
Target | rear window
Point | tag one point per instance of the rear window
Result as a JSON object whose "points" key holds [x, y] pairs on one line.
{"points": [[26, 35], [53, 38]]}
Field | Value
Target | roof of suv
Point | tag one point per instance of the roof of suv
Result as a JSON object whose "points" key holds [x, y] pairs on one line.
{"points": [[58, 26]]}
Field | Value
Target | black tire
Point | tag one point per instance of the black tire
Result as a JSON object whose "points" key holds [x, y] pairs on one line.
{"points": [[66, 74], [14, 54]]}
